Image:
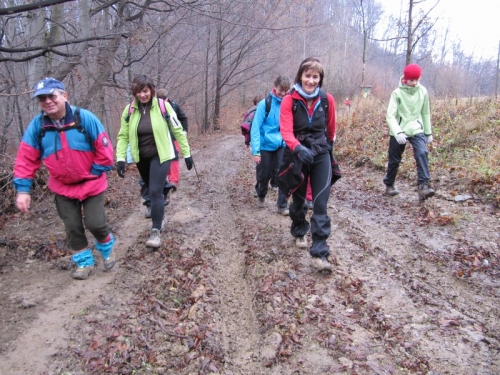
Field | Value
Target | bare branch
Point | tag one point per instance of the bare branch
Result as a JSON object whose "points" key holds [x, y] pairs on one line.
{"points": [[33, 6], [48, 48]]}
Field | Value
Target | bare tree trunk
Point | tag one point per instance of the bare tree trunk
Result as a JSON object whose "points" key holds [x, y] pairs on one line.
{"points": [[36, 34], [219, 47], [105, 57], [409, 37], [206, 124], [496, 75], [64, 68]]}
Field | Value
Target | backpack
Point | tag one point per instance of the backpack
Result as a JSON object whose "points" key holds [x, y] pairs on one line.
{"points": [[77, 126], [163, 110], [268, 102]]}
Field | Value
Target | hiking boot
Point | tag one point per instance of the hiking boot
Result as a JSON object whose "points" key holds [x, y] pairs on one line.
{"points": [[284, 211], [301, 242], [262, 202], [154, 239], [107, 253], [110, 262], [424, 192], [147, 215], [167, 198], [309, 205], [82, 273], [322, 264], [255, 194], [274, 188], [391, 191]]}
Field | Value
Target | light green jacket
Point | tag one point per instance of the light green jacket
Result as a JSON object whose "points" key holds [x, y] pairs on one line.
{"points": [[409, 111], [163, 139]]}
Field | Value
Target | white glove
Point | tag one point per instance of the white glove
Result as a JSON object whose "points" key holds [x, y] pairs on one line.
{"points": [[428, 139], [401, 138]]}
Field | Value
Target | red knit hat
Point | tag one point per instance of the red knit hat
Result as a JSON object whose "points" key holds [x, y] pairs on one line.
{"points": [[412, 71]]}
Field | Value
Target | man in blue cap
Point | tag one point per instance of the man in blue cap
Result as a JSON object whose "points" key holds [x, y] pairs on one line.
{"points": [[74, 147]]}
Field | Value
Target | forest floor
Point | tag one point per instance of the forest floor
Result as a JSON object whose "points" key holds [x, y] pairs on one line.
{"points": [[415, 287]]}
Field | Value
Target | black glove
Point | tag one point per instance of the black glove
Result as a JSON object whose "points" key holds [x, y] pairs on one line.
{"points": [[120, 169], [305, 155], [189, 162]]}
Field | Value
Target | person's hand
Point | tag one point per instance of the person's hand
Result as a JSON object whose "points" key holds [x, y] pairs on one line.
{"points": [[401, 138], [428, 138], [189, 162], [23, 202], [256, 158], [120, 169], [305, 155]]}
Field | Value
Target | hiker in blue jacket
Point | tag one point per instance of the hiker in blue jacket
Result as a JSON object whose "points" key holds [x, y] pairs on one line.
{"points": [[267, 143]]}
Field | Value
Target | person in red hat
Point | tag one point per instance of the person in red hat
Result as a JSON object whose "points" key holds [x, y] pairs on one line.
{"points": [[409, 120]]}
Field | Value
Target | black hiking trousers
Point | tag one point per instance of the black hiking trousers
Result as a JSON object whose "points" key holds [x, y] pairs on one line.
{"points": [[154, 175], [270, 161], [320, 175]]}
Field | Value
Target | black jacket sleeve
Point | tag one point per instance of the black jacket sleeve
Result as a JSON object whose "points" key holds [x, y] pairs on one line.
{"points": [[180, 115]]}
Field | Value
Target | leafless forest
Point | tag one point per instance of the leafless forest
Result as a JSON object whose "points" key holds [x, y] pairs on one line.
{"points": [[416, 284], [214, 56]]}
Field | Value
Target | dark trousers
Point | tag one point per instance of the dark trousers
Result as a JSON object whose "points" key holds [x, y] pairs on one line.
{"points": [[420, 153], [270, 161], [154, 175], [145, 191], [78, 215], [320, 174]]}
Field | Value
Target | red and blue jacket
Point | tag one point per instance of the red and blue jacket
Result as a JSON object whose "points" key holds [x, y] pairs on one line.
{"points": [[77, 160]]}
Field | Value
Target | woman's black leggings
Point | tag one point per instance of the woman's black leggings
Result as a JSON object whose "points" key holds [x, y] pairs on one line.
{"points": [[154, 175], [320, 174]]}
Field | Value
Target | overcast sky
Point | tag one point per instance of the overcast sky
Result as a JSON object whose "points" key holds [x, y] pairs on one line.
{"points": [[475, 22]]}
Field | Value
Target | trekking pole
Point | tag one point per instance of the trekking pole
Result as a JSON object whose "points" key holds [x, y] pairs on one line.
{"points": [[197, 175]]}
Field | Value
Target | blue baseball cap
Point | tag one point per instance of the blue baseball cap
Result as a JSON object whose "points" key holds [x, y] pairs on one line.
{"points": [[47, 86]]}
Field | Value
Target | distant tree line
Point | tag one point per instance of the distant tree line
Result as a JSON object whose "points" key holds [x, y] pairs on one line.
{"points": [[214, 56]]}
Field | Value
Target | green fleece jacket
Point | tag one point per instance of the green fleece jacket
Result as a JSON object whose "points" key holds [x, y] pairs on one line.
{"points": [[409, 111], [128, 133]]}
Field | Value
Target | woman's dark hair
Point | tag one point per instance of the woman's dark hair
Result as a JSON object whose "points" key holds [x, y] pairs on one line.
{"points": [[256, 99], [311, 63], [141, 81]]}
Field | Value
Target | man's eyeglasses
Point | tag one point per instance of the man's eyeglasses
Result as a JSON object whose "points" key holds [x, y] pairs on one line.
{"points": [[43, 98]]}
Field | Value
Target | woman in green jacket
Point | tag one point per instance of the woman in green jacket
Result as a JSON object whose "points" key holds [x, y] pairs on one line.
{"points": [[144, 127]]}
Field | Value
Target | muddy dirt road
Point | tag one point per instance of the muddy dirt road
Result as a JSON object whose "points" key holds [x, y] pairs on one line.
{"points": [[415, 289]]}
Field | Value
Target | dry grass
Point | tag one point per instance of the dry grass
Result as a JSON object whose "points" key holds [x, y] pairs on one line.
{"points": [[466, 141]]}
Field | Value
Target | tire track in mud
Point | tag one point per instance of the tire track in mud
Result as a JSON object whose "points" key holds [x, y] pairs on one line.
{"points": [[453, 319], [236, 319]]}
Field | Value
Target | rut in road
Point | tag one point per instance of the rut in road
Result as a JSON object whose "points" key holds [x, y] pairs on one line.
{"points": [[237, 322]]}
